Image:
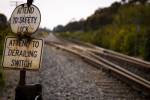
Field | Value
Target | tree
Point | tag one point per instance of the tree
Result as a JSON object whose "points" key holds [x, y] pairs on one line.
{"points": [[3, 21], [140, 1], [58, 28], [123, 1]]}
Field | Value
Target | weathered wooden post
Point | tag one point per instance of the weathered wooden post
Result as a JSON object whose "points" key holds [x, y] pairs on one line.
{"points": [[23, 52], [22, 80]]}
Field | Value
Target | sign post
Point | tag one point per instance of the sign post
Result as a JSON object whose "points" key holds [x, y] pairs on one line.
{"points": [[22, 80], [23, 52]]}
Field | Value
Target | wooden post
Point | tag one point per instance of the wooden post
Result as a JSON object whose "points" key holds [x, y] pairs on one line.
{"points": [[22, 80]]}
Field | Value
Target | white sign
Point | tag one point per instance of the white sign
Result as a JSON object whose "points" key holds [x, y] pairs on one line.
{"points": [[25, 19], [20, 54]]}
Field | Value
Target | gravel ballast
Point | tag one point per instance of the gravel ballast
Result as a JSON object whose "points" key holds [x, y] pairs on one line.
{"points": [[65, 76]]}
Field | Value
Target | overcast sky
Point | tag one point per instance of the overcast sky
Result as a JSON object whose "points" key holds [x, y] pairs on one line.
{"points": [[56, 12]]}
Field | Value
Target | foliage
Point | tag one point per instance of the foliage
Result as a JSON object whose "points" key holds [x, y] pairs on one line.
{"points": [[3, 21], [100, 18], [4, 31], [127, 32], [1, 79], [140, 1]]}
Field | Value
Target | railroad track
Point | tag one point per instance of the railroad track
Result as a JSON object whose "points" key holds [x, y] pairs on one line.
{"points": [[108, 60], [111, 53]]}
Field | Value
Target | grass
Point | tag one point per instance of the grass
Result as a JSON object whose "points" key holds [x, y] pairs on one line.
{"points": [[1, 79], [1, 76]]}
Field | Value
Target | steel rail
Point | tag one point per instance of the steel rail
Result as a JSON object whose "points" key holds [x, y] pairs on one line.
{"points": [[114, 54], [97, 49], [91, 57]]}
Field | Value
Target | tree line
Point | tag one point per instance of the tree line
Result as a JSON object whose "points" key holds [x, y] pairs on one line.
{"points": [[123, 27], [101, 17]]}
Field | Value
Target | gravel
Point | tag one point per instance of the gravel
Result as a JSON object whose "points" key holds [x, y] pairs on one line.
{"points": [[65, 76]]}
